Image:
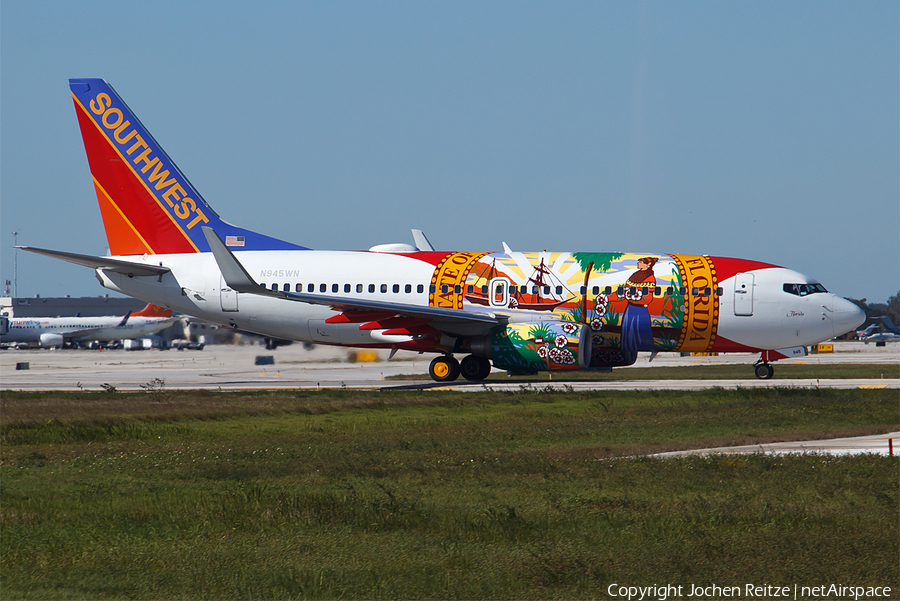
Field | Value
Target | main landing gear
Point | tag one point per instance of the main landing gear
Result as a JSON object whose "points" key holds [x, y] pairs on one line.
{"points": [[444, 368], [764, 371]]}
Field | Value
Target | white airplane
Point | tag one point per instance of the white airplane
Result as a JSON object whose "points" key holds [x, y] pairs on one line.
{"points": [[56, 331], [881, 332], [518, 311]]}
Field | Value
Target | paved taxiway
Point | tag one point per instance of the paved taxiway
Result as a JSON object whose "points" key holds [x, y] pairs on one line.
{"points": [[878, 444], [230, 367]]}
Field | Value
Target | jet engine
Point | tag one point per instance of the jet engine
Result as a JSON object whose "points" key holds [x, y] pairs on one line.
{"points": [[537, 346], [51, 339]]}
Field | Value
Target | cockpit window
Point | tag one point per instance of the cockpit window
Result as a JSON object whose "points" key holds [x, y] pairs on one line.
{"points": [[803, 289]]}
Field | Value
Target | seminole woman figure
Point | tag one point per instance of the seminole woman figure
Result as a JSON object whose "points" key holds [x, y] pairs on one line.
{"points": [[636, 332]]}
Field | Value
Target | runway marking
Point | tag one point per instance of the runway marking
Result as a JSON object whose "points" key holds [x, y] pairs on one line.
{"points": [[873, 386]]}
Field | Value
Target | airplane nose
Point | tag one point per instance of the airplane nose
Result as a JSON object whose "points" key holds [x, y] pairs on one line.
{"points": [[847, 316]]}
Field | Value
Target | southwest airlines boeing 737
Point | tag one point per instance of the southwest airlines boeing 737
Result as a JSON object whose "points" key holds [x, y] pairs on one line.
{"points": [[519, 311]]}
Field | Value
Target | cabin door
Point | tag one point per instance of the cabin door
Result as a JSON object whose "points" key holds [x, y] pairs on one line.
{"points": [[499, 292], [227, 297], [743, 294]]}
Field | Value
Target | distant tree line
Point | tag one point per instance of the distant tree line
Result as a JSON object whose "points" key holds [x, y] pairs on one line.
{"points": [[891, 308]]}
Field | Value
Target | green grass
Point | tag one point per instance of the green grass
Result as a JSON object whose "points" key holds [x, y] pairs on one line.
{"points": [[343, 494], [708, 372]]}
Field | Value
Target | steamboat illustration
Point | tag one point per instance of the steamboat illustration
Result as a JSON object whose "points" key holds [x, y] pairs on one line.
{"points": [[547, 291]]}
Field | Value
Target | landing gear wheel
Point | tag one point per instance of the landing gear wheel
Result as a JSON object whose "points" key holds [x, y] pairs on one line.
{"points": [[764, 371], [444, 369], [474, 368]]}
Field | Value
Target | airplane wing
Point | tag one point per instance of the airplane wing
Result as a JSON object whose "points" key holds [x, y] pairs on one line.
{"points": [[238, 279], [116, 265]]}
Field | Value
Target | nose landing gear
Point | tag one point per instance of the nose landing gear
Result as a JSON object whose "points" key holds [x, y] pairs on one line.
{"points": [[763, 370]]}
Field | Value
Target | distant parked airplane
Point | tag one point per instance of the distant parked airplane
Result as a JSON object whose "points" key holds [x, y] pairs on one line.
{"points": [[56, 331], [883, 331], [518, 311]]}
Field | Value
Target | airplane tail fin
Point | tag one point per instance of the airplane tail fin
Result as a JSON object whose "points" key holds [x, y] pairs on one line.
{"points": [[152, 310], [148, 206]]}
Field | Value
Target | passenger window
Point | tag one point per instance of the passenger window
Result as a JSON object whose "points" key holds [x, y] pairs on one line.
{"points": [[695, 291], [584, 290], [261, 286], [720, 291], [323, 287], [275, 287], [311, 288], [408, 288], [657, 290], [669, 291], [484, 290], [287, 287], [546, 289], [334, 288], [707, 291], [607, 291], [682, 290], [346, 287], [470, 289], [420, 288], [384, 289], [359, 288], [431, 289], [595, 290], [371, 288], [620, 291], [559, 289], [444, 288], [396, 288]]}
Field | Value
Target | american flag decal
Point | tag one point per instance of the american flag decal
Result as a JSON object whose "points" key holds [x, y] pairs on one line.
{"points": [[234, 240]]}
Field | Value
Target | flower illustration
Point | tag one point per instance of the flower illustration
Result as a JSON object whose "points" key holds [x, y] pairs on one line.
{"points": [[569, 328], [561, 341], [633, 294], [542, 351], [596, 324]]}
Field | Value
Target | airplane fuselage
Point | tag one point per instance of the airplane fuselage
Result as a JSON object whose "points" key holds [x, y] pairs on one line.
{"points": [[698, 304]]}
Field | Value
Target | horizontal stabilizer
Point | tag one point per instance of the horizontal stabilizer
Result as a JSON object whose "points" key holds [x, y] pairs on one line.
{"points": [[107, 263]]}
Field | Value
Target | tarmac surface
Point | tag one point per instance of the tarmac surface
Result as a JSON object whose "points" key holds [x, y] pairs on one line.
{"points": [[233, 367], [878, 444]]}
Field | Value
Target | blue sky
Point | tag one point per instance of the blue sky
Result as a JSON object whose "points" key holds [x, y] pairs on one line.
{"points": [[761, 130]]}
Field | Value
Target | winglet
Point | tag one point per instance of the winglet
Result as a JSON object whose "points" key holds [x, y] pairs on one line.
{"points": [[234, 273], [421, 241]]}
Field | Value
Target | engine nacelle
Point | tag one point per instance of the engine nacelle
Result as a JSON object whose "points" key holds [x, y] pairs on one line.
{"points": [[51, 339], [604, 358], [539, 346]]}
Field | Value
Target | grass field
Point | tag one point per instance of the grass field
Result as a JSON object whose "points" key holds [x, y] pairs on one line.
{"points": [[526, 494]]}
